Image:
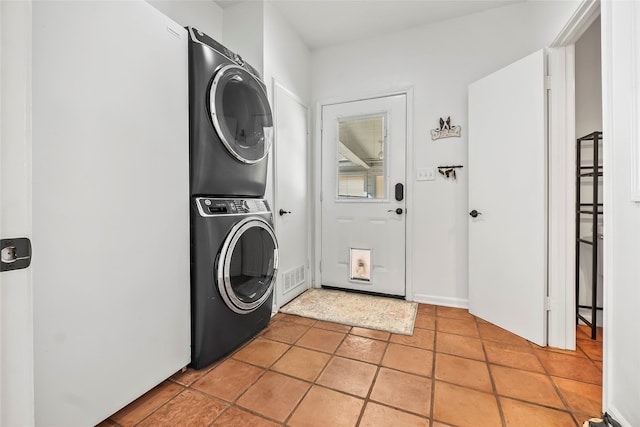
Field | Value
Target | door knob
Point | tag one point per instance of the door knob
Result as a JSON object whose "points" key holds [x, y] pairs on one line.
{"points": [[283, 212], [474, 213], [398, 211]]}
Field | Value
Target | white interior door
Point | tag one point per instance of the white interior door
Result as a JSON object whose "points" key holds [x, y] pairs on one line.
{"points": [[291, 210], [363, 195], [507, 188]]}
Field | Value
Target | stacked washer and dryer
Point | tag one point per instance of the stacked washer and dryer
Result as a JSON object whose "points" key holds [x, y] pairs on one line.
{"points": [[234, 251]]}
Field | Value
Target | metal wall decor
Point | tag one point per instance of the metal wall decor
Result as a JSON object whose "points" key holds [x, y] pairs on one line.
{"points": [[446, 130]]}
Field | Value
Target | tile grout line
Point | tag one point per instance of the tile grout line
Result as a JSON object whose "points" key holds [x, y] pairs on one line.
{"points": [[314, 382], [230, 356], [268, 369], [538, 352], [432, 404], [233, 403], [161, 406], [367, 399], [555, 386], [494, 388]]}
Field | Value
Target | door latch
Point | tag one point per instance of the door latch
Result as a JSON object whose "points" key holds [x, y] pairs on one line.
{"points": [[15, 254]]}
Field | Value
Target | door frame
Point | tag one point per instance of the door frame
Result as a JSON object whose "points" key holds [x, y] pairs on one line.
{"points": [[409, 185], [310, 218], [561, 273]]}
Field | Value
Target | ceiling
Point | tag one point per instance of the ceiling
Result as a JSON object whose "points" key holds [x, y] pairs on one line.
{"points": [[323, 23]]}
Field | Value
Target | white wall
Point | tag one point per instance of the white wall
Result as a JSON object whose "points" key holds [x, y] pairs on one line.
{"points": [[244, 32], [621, 92], [206, 16], [439, 61], [287, 60], [588, 89], [588, 81], [286, 57]]}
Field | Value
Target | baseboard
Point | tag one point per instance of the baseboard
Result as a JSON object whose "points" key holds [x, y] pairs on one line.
{"points": [[442, 301]]}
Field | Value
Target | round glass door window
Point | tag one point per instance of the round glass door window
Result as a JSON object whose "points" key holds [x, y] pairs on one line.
{"points": [[241, 114], [247, 265]]}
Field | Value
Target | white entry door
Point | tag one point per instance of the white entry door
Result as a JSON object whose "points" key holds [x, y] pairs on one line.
{"points": [[363, 195], [507, 198], [291, 210]]}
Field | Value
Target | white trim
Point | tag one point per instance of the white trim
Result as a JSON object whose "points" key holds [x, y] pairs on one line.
{"points": [[635, 106], [578, 23], [608, 130], [442, 301], [410, 168], [317, 199], [409, 172], [562, 133], [2, 321], [363, 97], [561, 170]]}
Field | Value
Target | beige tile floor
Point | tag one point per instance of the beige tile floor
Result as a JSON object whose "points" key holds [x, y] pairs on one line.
{"points": [[455, 370]]}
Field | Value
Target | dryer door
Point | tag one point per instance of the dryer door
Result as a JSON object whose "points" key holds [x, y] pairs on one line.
{"points": [[241, 114], [247, 265]]}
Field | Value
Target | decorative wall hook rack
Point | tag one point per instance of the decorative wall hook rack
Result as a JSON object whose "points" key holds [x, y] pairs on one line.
{"points": [[449, 171]]}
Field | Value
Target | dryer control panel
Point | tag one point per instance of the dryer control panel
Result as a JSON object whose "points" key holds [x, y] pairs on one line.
{"points": [[213, 207], [200, 37]]}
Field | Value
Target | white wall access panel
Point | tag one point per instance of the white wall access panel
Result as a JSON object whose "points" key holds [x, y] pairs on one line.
{"points": [[110, 206]]}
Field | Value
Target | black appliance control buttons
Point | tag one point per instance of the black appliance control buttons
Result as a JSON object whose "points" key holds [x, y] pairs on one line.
{"points": [[219, 209]]}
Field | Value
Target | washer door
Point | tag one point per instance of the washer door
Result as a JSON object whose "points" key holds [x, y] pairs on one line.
{"points": [[241, 114], [247, 265]]}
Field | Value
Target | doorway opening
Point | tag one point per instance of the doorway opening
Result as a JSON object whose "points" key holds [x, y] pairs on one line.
{"points": [[589, 190]]}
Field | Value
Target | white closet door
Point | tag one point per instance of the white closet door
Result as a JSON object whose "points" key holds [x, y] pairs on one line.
{"points": [[507, 188]]}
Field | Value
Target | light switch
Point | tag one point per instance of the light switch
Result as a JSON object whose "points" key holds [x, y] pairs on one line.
{"points": [[427, 174]]}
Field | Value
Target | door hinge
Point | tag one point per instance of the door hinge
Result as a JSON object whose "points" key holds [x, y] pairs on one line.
{"points": [[15, 254], [547, 82], [547, 303], [320, 266]]}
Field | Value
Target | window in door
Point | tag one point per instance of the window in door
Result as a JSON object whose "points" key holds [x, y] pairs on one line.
{"points": [[361, 157]]}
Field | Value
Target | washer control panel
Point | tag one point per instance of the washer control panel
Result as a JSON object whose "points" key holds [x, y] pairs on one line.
{"points": [[211, 207]]}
